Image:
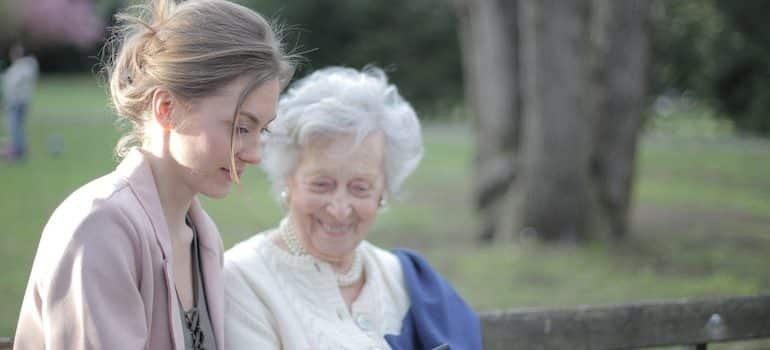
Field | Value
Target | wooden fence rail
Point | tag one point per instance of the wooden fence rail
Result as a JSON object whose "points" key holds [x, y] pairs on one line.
{"points": [[5, 343], [631, 326]]}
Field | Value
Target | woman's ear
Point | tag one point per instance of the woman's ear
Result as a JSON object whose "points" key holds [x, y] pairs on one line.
{"points": [[162, 106]]}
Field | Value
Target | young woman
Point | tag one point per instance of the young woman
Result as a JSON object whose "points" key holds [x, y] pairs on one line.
{"points": [[131, 260]]}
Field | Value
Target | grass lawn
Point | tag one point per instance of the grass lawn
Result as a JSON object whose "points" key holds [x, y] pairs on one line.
{"points": [[701, 216]]}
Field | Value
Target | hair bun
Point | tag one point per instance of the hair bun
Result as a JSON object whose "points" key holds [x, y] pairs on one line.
{"points": [[190, 49]]}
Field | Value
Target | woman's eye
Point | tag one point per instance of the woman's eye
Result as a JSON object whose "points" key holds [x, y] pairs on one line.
{"points": [[361, 189], [242, 130], [264, 131], [321, 185]]}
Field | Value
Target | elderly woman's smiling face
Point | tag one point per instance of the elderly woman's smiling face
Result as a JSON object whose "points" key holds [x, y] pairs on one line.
{"points": [[334, 193]]}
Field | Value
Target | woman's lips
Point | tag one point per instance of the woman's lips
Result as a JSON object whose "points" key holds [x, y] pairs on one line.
{"points": [[335, 230], [228, 173]]}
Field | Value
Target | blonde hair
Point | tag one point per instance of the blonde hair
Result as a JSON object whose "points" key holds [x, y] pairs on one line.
{"points": [[191, 49]]}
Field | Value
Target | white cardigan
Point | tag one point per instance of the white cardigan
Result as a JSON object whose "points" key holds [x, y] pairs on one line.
{"points": [[274, 300]]}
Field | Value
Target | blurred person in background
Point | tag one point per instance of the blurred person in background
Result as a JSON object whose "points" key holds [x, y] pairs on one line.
{"points": [[18, 88], [343, 143], [131, 260]]}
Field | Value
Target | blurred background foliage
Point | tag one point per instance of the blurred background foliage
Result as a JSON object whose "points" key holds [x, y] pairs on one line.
{"points": [[415, 41], [717, 52]]}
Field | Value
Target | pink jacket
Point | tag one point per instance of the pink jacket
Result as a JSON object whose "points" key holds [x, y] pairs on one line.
{"points": [[102, 275]]}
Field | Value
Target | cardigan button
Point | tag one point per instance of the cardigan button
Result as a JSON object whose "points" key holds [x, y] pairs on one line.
{"points": [[364, 323]]}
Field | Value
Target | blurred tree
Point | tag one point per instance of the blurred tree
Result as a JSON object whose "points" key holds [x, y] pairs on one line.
{"points": [[415, 41], [490, 47], [70, 21], [61, 33], [42, 22], [558, 91], [720, 52]]}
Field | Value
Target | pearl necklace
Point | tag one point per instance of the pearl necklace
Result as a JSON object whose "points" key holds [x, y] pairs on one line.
{"points": [[354, 273]]}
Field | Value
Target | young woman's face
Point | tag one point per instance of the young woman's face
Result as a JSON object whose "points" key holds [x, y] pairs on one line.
{"points": [[200, 143], [334, 194]]}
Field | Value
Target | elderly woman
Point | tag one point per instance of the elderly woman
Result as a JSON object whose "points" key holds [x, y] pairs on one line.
{"points": [[342, 145]]}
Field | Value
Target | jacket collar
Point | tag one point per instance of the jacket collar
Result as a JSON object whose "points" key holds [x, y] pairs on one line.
{"points": [[137, 171]]}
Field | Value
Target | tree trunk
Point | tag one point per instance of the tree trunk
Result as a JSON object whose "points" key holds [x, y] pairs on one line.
{"points": [[489, 42], [557, 88], [625, 80], [555, 187]]}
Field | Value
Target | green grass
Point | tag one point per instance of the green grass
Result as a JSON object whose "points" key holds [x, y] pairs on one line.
{"points": [[700, 219]]}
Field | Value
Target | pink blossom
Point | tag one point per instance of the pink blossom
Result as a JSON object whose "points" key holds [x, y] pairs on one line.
{"points": [[68, 21]]}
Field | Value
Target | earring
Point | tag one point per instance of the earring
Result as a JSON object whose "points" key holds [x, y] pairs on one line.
{"points": [[383, 202], [284, 196]]}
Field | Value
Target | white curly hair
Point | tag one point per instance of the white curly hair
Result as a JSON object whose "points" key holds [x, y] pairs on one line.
{"points": [[342, 101]]}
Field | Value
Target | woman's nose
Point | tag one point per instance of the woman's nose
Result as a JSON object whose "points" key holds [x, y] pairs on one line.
{"points": [[250, 151], [340, 207]]}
